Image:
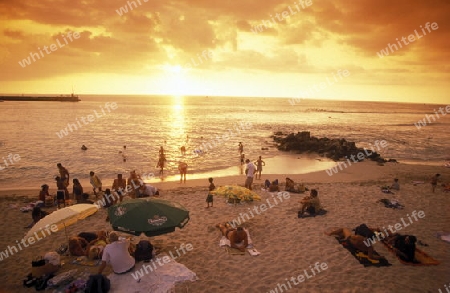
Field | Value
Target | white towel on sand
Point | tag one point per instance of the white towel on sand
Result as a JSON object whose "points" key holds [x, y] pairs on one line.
{"points": [[224, 241], [158, 279]]}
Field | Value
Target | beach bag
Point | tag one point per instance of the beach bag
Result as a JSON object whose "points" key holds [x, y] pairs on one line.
{"points": [[98, 284], [40, 267], [42, 282], [144, 250]]}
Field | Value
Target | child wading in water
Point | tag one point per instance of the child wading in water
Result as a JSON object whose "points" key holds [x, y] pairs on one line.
{"points": [[209, 198]]}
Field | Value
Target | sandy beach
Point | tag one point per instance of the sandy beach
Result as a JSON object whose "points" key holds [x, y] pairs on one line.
{"points": [[288, 245]]}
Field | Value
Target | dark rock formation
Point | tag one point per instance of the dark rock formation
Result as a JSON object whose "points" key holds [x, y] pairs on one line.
{"points": [[334, 149]]}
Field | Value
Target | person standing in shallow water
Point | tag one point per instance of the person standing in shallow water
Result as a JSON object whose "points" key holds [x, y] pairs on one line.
{"points": [[241, 148], [182, 167], [259, 164]]}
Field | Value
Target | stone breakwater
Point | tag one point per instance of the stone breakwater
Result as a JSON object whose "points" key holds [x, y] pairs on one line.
{"points": [[334, 149]]}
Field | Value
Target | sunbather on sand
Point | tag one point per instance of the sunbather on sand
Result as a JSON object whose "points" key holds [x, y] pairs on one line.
{"points": [[238, 237], [356, 241], [404, 246]]}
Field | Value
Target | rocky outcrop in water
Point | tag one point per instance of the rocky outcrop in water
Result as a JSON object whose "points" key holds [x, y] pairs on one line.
{"points": [[334, 149]]}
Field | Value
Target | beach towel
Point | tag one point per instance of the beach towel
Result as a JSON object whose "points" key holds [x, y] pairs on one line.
{"points": [[363, 258], [156, 276], [444, 236], [421, 257], [84, 261], [322, 212], [230, 250], [393, 204]]}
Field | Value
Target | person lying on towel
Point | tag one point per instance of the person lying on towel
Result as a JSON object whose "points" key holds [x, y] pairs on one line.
{"points": [[356, 241], [238, 237], [291, 186]]}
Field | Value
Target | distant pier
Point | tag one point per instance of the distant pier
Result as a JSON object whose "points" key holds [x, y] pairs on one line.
{"points": [[70, 98]]}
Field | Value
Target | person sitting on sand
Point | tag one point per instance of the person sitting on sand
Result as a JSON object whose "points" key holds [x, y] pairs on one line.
{"points": [[37, 214], [44, 192], [110, 199], [120, 186], [238, 237], [311, 204], [77, 246], [395, 185], [94, 249], [135, 181], [85, 199], [273, 187], [117, 255], [355, 241], [404, 246], [146, 190], [77, 190]]}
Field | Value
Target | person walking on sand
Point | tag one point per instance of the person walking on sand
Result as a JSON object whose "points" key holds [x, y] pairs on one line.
{"points": [[249, 172], [259, 164], [95, 182], [434, 181], [182, 167], [209, 198]]}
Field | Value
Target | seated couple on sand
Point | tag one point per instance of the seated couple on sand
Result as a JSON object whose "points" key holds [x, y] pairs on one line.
{"points": [[237, 236], [90, 244]]}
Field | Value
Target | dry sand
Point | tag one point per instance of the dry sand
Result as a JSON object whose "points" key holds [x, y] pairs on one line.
{"points": [[288, 245]]}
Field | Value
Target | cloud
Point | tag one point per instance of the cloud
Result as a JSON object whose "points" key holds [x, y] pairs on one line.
{"points": [[325, 36]]}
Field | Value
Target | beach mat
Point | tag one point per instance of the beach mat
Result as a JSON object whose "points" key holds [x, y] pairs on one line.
{"points": [[84, 261], [363, 258], [393, 204], [234, 251], [423, 259], [308, 215]]}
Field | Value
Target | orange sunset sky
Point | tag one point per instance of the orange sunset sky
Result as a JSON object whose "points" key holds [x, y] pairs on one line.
{"points": [[208, 47]]}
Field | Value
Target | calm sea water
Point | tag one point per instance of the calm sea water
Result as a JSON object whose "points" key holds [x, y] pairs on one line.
{"points": [[33, 130]]}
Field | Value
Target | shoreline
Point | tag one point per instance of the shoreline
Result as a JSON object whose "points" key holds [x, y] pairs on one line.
{"points": [[366, 171]]}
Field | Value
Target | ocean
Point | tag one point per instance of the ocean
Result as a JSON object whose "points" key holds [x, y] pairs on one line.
{"points": [[35, 136]]}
